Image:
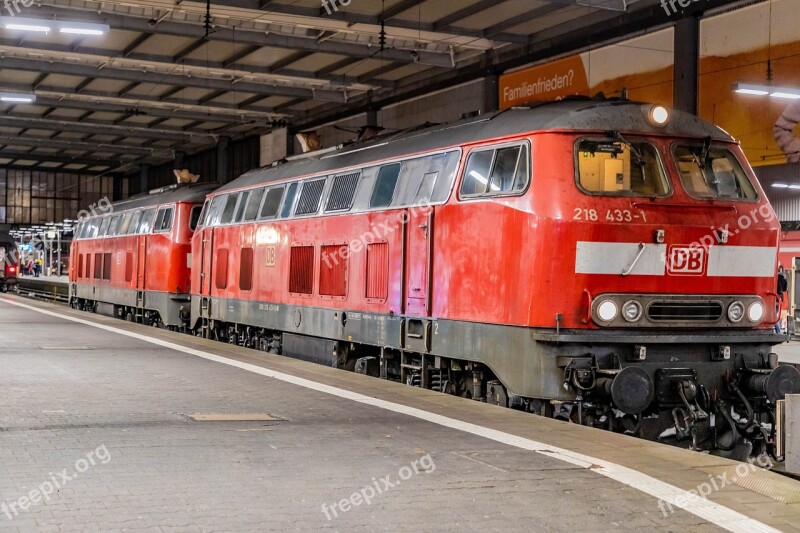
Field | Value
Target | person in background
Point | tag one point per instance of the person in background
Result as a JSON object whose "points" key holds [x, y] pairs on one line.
{"points": [[784, 132], [783, 286], [38, 267]]}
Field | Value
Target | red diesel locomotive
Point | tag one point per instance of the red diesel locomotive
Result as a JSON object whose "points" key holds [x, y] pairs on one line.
{"points": [[134, 261], [607, 262]]}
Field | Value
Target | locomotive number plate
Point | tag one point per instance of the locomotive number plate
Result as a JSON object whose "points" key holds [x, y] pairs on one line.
{"points": [[612, 215]]}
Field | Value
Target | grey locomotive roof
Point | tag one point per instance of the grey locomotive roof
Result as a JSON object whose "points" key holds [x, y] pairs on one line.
{"points": [[568, 114], [194, 192]]}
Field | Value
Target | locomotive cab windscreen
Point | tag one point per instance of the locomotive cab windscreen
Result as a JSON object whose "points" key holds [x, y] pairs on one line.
{"points": [[712, 172], [620, 167]]}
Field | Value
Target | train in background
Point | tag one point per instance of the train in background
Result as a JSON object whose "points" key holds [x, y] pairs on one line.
{"points": [[571, 259], [9, 263], [134, 263], [789, 259]]}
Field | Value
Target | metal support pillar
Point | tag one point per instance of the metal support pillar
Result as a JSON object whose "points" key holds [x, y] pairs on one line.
{"points": [[686, 56]]}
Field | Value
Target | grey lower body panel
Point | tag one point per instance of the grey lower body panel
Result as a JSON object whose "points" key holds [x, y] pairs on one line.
{"points": [[529, 361], [168, 305]]}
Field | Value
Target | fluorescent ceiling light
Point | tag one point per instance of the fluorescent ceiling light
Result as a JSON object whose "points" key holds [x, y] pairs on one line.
{"points": [[44, 26], [763, 90], [780, 185], [783, 94], [27, 27], [83, 28], [18, 98], [794, 186]]}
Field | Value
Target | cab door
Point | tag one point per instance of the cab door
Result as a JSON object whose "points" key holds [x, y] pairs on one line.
{"points": [[141, 261], [206, 249], [418, 262]]}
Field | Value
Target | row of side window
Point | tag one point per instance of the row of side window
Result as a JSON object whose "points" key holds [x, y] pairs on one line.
{"points": [[417, 181], [133, 222]]}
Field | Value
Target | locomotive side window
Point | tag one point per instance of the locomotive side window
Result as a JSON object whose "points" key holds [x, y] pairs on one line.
{"points": [[214, 211], [425, 188], [113, 226], [291, 192], [253, 203], [201, 221], [242, 204], [342, 192], [124, 223], [618, 167], [273, 202], [229, 209], [104, 226], [502, 170], [310, 195], [713, 172], [164, 220], [194, 216], [134, 223], [146, 222], [385, 185]]}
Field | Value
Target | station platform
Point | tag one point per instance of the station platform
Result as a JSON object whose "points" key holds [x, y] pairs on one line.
{"points": [[109, 425], [48, 287]]}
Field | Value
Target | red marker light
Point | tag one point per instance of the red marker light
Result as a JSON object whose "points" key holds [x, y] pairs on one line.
{"points": [[12, 269]]}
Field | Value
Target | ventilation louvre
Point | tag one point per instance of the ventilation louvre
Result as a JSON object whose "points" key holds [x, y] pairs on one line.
{"points": [[301, 269], [377, 271]]}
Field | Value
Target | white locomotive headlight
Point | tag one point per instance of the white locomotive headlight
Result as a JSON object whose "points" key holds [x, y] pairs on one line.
{"points": [[736, 311], [607, 311], [631, 310], [658, 115], [756, 312]]}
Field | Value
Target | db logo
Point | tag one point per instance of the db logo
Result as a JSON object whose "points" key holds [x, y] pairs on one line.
{"points": [[686, 261]]}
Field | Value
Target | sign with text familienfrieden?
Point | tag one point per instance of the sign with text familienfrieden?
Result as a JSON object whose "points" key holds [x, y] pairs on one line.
{"points": [[544, 82]]}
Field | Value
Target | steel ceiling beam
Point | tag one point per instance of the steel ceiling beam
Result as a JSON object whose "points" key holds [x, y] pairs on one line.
{"points": [[405, 5], [521, 19], [56, 158], [147, 105], [30, 64], [461, 14], [149, 132], [89, 147], [360, 18], [143, 24]]}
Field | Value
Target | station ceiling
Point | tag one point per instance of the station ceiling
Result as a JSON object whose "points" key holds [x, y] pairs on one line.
{"points": [[167, 78]]}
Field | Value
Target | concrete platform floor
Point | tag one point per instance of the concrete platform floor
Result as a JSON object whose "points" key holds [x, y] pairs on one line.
{"points": [[788, 352], [97, 434]]}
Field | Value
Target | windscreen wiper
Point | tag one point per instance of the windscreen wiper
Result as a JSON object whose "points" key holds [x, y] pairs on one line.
{"points": [[636, 154], [704, 153]]}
